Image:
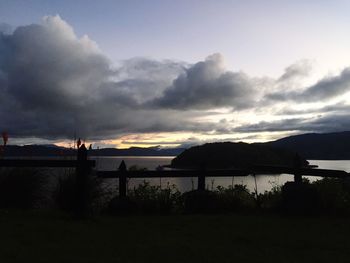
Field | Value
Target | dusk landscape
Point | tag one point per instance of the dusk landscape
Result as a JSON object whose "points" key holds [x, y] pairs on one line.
{"points": [[174, 131]]}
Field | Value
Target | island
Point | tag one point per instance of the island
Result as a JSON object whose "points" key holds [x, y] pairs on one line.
{"points": [[229, 155]]}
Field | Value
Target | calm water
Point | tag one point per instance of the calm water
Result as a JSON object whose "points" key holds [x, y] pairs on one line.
{"points": [[264, 182]]}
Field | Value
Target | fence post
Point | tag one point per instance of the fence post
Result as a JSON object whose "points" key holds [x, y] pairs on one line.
{"points": [[201, 182], [122, 179], [297, 173], [82, 172], [201, 178]]}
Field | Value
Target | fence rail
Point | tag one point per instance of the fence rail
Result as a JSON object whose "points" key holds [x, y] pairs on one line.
{"points": [[83, 167], [224, 173], [172, 173]]}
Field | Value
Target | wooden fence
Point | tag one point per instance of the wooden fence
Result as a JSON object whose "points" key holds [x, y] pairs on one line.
{"points": [[83, 167]]}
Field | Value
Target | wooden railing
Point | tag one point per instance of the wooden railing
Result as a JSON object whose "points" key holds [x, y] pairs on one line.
{"points": [[123, 174], [83, 167]]}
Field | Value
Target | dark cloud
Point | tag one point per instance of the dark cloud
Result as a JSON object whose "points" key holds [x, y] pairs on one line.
{"points": [[193, 141], [340, 107], [145, 79], [54, 84], [208, 85], [324, 90], [48, 80], [266, 126], [328, 87], [321, 123]]}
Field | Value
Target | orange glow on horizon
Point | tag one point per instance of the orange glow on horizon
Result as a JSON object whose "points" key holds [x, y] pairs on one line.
{"points": [[173, 140]]}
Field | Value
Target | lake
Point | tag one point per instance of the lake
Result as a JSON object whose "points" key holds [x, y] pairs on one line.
{"points": [[264, 182]]}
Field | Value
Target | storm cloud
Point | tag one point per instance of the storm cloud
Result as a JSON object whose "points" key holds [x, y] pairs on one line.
{"points": [[54, 84], [207, 84], [320, 124], [325, 89]]}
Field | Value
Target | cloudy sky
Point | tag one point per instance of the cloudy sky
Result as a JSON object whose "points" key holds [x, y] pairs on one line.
{"points": [[144, 73]]}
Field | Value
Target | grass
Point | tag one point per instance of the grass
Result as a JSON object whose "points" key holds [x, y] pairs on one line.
{"points": [[39, 236]]}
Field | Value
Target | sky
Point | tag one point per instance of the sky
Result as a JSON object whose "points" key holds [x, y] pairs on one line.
{"points": [[172, 73]]}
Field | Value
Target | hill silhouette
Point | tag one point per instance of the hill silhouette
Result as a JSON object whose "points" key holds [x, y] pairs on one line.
{"points": [[54, 150], [227, 155], [326, 146]]}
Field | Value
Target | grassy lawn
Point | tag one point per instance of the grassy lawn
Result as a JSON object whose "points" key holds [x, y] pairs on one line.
{"points": [[38, 236]]}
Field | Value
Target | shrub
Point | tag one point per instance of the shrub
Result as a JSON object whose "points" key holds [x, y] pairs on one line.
{"points": [[327, 196], [299, 198], [147, 198], [22, 188], [271, 200], [231, 199], [65, 195], [236, 198], [333, 196], [152, 198]]}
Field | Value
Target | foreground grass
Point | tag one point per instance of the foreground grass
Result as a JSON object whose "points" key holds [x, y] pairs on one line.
{"points": [[38, 236]]}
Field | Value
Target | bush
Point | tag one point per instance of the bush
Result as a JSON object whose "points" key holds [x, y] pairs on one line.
{"points": [[333, 196], [326, 196], [271, 200], [231, 199], [299, 198], [237, 198], [22, 188], [65, 195], [147, 198]]}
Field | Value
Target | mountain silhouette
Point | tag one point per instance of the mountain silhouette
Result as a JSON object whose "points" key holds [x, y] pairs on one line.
{"points": [[313, 146], [318, 146], [53, 150]]}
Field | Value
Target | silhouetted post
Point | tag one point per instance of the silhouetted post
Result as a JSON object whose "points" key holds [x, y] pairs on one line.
{"points": [[82, 172], [297, 165], [122, 179], [201, 182], [201, 178], [256, 187], [256, 191]]}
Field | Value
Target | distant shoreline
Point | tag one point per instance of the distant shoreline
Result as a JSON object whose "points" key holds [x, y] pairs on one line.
{"points": [[129, 156]]}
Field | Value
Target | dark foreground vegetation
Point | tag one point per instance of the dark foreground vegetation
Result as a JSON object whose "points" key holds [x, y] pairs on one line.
{"points": [[305, 222], [57, 189]]}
